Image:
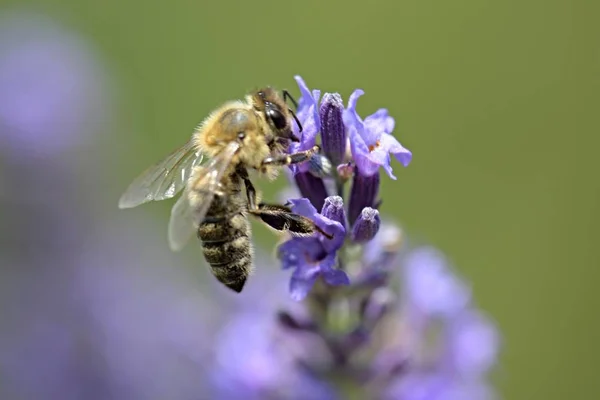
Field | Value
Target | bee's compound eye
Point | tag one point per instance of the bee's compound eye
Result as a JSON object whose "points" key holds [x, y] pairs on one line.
{"points": [[277, 117]]}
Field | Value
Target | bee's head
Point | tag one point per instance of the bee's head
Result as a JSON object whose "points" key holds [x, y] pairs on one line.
{"points": [[276, 112]]}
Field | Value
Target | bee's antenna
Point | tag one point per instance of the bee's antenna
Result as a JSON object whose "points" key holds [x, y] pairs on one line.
{"points": [[287, 95], [296, 119]]}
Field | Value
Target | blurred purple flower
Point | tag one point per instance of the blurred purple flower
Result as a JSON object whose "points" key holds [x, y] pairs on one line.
{"points": [[472, 344], [431, 288], [435, 386], [256, 357], [52, 90], [371, 140]]}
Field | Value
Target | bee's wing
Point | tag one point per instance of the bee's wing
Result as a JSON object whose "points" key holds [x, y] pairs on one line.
{"points": [[181, 223], [164, 179], [205, 182]]}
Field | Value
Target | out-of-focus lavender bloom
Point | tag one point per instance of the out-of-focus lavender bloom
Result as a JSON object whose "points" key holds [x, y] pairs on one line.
{"points": [[472, 344], [255, 356], [371, 140], [91, 305], [52, 89], [431, 288]]}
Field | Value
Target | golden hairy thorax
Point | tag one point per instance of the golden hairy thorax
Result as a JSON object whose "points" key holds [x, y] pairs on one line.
{"points": [[226, 124]]}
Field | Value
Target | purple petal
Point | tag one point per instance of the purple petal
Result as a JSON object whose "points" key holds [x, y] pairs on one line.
{"points": [[379, 122], [352, 102], [310, 249], [333, 277], [306, 99], [380, 156], [473, 344], [360, 153], [334, 229], [404, 156], [316, 96], [303, 207], [376, 125], [430, 285], [308, 114], [302, 281], [290, 254]]}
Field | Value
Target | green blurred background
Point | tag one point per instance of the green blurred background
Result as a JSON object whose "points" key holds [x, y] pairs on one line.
{"points": [[495, 99]]}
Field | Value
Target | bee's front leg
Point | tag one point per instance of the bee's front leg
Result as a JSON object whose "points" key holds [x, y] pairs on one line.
{"points": [[294, 158]]}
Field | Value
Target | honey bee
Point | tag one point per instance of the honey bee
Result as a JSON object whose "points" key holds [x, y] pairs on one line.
{"points": [[243, 135]]}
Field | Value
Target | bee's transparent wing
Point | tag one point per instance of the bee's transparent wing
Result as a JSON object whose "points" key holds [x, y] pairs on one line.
{"points": [[205, 182], [164, 179], [181, 223]]}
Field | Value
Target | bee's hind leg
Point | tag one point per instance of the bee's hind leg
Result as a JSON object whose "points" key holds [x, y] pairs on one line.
{"points": [[282, 218], [279, 217]]}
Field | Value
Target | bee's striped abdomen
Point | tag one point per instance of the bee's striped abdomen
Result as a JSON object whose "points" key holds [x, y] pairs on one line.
{"points": [[227, 248]]}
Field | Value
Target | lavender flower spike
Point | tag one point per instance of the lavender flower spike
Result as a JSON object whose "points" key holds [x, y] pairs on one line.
{"points": [[371, 141], [333, 131], [366, 226]]}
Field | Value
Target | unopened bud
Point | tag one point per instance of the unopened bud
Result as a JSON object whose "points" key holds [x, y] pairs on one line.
{"points": [[366, 226], [312, 188], [363, 193], [334, 209], [333, 131]]}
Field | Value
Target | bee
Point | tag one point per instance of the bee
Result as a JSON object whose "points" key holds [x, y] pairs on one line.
{"points": [[210, 170]]}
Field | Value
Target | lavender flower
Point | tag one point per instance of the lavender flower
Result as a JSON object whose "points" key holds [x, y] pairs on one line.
{"points": [[258, 353], [308, 114], [371, 140], [315, 256], [52, 87]]}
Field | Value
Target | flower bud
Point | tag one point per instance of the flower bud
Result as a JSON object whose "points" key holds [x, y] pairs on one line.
{"points": [[366, 226], [312, 188], [333, 131], [334, 209], [363, 193]]}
